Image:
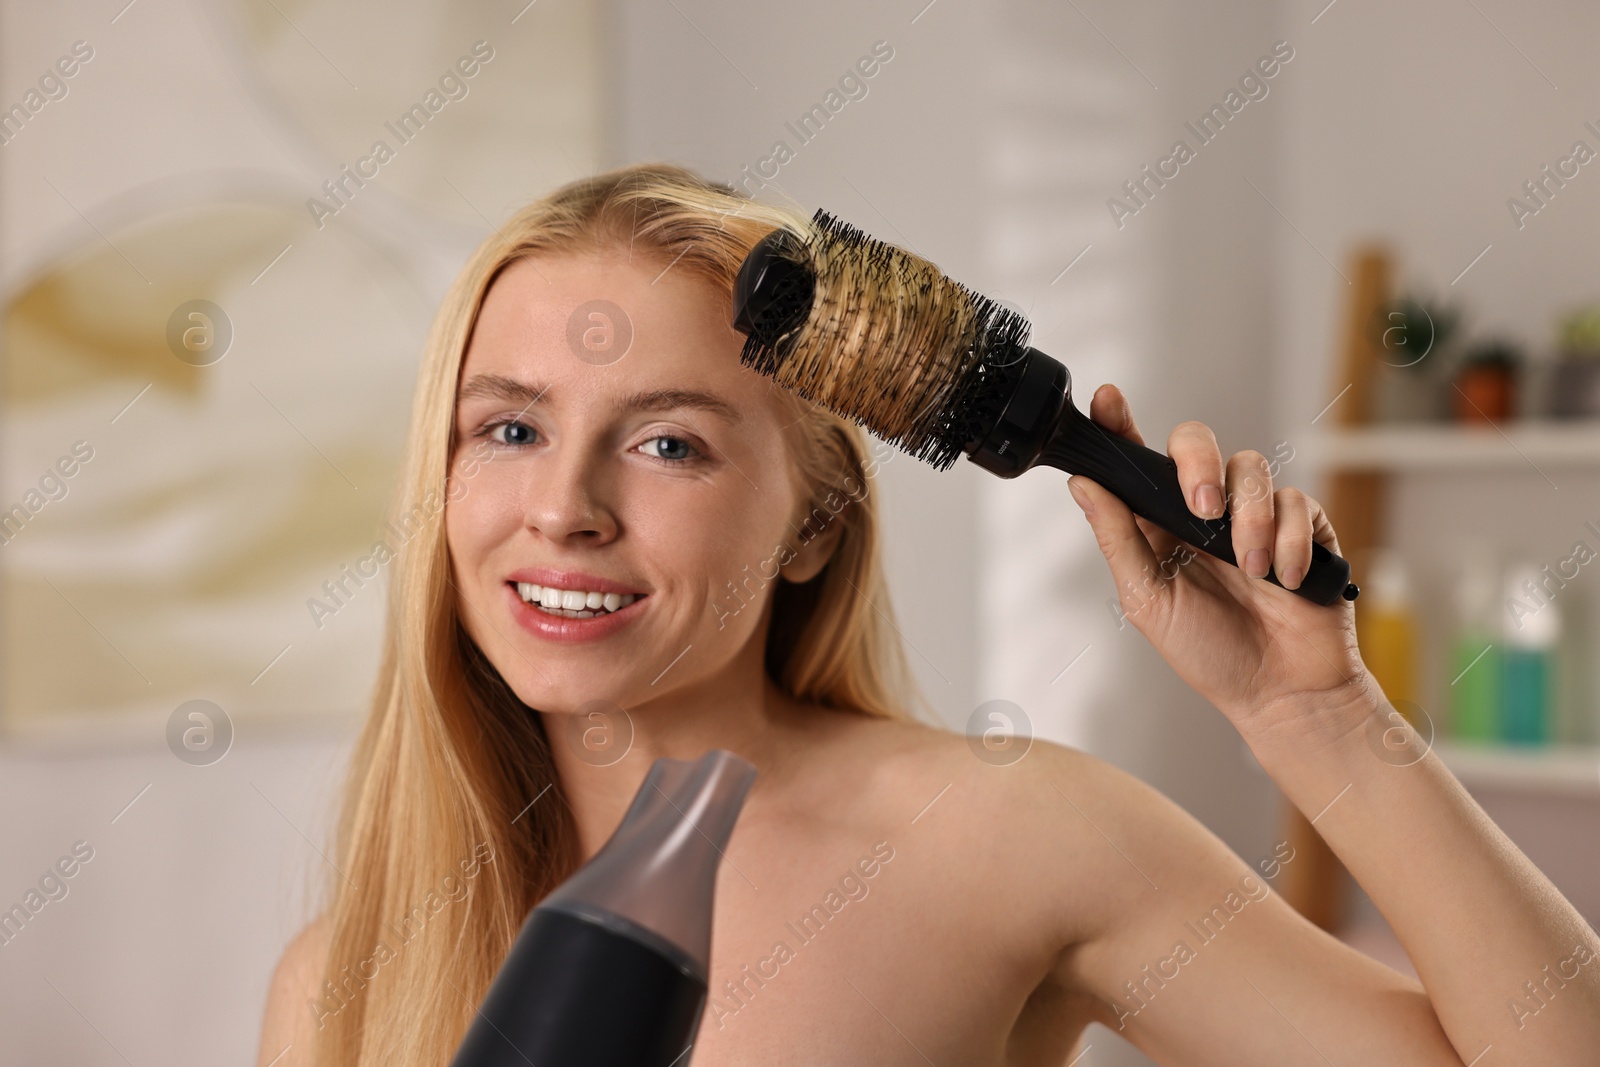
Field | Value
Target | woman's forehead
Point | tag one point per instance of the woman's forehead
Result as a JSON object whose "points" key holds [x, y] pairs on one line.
{"points": [[601, 321], [548, 289]]}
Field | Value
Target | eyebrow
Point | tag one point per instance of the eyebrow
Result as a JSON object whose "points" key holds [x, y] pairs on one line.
{"points": [[499, 387]]}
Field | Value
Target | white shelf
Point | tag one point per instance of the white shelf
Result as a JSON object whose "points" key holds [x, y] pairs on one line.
{"points": [[1572, 770], [1447, 446]]}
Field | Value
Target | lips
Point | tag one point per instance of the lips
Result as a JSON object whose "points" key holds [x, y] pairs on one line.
{"points": [[564, 630]]}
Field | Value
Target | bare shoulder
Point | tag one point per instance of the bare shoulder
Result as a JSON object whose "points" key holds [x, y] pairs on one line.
{"points": [[288, 1028], [1053, 824], [1099, 841], [906, 755]]}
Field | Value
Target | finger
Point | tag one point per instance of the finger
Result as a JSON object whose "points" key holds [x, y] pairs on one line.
{"points": [[1296, 518], [1134, 567], [1249, 485], [1193, 447], [1322, 529], [1109, 408]]}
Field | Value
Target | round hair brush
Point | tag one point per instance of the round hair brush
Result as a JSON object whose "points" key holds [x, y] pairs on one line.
{"points": [[879, 335]]}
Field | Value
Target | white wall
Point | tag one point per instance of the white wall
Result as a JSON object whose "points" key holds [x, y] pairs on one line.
{"points": [[161, 950]]}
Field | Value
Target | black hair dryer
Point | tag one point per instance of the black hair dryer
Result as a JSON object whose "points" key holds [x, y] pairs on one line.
{"points": [[610, 969]]}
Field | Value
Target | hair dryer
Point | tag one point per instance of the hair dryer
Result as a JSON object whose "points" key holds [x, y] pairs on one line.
{"points": [[610, 969]]}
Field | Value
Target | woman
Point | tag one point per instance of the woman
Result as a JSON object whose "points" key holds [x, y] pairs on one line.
{"points": [[703, 551]]}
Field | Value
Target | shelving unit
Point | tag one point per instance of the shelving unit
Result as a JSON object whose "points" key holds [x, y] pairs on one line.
{"points": [[1399, 448], [1396, 450], [1556, 770], [1364, 462]]}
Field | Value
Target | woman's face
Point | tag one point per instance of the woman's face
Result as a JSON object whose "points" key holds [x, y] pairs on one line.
{"points": [[659, 474]]}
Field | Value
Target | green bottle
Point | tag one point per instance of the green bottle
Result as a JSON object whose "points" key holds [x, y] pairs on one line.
{"points": [[1475, 698], [1475, 649]]}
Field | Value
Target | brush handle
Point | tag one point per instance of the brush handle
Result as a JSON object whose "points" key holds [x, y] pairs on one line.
{"points": [[1147, 481]]}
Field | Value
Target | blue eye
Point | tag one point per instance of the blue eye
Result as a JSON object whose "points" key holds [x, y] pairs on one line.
{"points": [[678, 451], [664, 447], [511, 426]]}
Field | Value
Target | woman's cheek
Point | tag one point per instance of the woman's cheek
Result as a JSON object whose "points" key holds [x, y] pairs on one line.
{"points": [[469, 516]]}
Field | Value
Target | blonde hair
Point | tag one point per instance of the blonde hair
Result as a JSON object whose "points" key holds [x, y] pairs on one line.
{"points": [[449, 759]]}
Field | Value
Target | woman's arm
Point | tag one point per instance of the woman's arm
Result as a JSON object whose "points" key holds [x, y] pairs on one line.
{"points": [[1511, 970], [1186, 950]]}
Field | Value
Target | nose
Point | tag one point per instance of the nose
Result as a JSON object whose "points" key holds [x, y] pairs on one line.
{"points": [[565, 497]]}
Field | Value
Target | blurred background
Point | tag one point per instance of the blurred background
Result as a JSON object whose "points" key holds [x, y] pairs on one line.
{"points": [[1372, 260]]}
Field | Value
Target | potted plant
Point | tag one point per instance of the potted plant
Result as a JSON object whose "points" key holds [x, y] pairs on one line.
{"points": [[1485, 382], [1412, 340], [1575, 377]]}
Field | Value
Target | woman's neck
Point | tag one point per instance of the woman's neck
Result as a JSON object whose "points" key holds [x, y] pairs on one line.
{"points": [[741, 710]]}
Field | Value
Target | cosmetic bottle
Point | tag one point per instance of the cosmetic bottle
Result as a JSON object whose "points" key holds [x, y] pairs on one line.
{"points": [[1574, 709], [1386, 629], [1578, 687], [1474, 648], [1531, 634]]}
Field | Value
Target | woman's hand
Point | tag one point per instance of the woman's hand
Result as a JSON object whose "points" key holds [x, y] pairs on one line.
{"points": [[1262, 655]]}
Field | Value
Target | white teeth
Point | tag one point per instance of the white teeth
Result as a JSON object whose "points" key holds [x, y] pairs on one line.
{"points": [[584, 604]]}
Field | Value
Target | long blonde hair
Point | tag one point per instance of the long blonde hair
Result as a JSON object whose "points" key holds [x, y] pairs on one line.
{"points": [[440, 856]]}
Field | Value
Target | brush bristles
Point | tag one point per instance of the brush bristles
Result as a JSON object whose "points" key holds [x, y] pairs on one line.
{"points": [[920, 360]]}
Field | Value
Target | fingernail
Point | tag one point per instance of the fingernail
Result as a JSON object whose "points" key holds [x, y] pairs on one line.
{"points": [[1210, 499], [1079, 495], [1291, 578], [1256, 563]]}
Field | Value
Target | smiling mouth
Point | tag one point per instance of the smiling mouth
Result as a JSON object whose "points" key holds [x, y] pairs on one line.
{"points": [[572, 603]]}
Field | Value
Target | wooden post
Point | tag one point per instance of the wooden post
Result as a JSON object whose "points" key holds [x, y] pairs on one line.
{"points": [[1355, 500]]}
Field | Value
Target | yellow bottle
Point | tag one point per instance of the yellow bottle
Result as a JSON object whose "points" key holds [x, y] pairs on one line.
{"points": [[1386, 630]]}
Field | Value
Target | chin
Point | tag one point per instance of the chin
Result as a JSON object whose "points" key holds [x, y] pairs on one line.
{"points": [[559, 694]]}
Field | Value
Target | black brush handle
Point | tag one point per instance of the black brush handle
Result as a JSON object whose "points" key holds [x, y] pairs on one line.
{"points": [[1147, 481]]}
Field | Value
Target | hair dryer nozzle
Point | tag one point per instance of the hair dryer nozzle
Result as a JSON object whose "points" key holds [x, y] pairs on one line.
{"points": [[658, 870]]}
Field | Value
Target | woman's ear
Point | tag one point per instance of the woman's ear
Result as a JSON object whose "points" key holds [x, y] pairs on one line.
{"points": [[815, 549]]}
